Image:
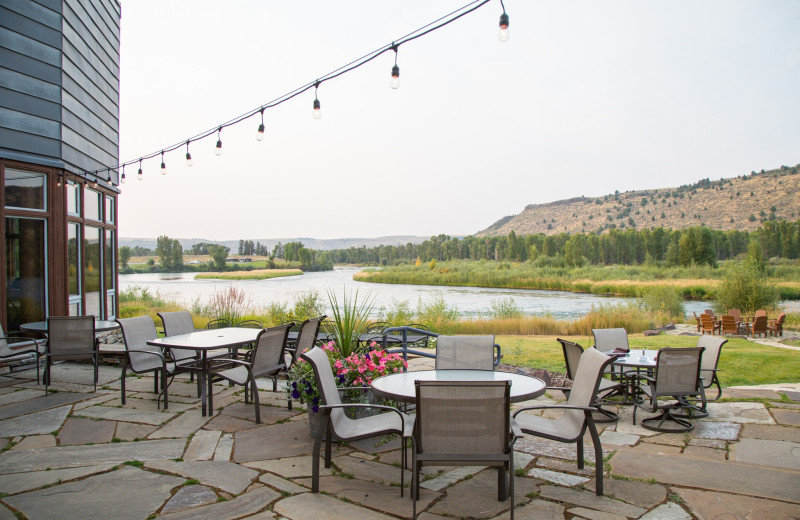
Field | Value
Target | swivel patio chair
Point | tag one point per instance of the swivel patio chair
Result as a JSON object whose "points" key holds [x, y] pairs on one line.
{"points": [[70, 338], [467, 352], [775, 327], [577, 416], [708, 374], [612, 341], [677, 375], [16, 349], [465, 423], [606, 387], [335, 422], [143, 358], [219, 323], [266, 359]]}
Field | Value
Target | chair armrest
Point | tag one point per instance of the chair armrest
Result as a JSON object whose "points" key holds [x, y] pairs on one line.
{"points": [[327, 407], [159, 354], [228, 361], [499, 354], [639, 375], [516, 431], [21, 343], [554, 407]]}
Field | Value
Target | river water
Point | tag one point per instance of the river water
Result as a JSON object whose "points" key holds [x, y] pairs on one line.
{"points": [[469, 301]]}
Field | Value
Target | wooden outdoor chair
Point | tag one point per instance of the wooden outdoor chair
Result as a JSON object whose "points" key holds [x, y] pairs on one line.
{"points": [[728, 325], [775, 327], [708, 324], [759, 326]]}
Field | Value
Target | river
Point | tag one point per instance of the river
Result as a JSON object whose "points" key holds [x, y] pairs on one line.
{"points": [[470, 301]]}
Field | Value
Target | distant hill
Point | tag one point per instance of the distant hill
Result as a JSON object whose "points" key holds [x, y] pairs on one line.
{"points": [[311, 243], [740, 203]]}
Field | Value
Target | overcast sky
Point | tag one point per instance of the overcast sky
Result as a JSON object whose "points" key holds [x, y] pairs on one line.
{"points": [[587, 97]]}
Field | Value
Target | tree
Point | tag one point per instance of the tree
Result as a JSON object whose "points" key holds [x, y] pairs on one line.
{"points": [[124, 256], [745, 286], [218, 254], [169, 252]]}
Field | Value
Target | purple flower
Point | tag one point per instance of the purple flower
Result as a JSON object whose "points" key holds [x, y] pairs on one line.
{"points": [[295, 394], [366, 356], [315, 400], [342, 379], [294, 385], [315, 409]]}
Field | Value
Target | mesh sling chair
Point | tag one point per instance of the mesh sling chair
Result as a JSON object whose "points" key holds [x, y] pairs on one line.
{"points": [[577, 416], [465, 423], [175, 323], [306, 339], [250, 324], [142, 358], [335, 422], [708, 375], [219, 323], [677, 375], [606, 387], [70, 338], [611, 340], [467, 352], [18, 349], [265, 359]]}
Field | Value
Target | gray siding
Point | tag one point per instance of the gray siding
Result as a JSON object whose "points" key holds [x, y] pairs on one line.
{"points": [[59, 82]]}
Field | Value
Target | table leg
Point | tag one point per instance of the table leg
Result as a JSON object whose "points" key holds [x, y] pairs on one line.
{"points": [[202, 376]]}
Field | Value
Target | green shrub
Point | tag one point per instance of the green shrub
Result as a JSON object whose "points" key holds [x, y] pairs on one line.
{"points": [[746, 287], [663, 298], [505, 308]]}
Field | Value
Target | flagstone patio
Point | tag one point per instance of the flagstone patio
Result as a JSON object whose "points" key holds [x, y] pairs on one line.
{"points": [[82, 454]]}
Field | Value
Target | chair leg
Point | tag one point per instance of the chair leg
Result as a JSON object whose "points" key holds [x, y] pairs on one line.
{"points": [[254, 391], [165, 385], [122, 379], [95, 372], [315, 458], [580, 452], [328, 443], [598, 457], [501, 483], [511, 480], [209, 394], [402, 464], [414, 478]]}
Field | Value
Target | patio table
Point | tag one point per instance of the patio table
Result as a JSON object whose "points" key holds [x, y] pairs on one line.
{"points": [[203, 341], [643, 361], [41, 326], [400, 386]]}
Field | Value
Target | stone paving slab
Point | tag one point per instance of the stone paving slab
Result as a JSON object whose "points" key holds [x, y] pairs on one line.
{"points": [[183, 425], [565, 479], [244, 505], [668, 511], [291, 467], [754, 413], [713, 505], [533, 510], [477, 497], [746, 479], [35, 441], [307, 506], [786, 417], [100, 399], [590, 500], [78, 431], [373, 495], [76, 456], [269, 414], [781, 454], [226, 476], [272, 442], [591, 514], [150, 402], [75, 373], [46, 421], [727, 431], [136, 494], [41, 403], [6, 514], [642, 494], [202, 445], [131, 431], [772, 433], [281, 484], [230, 424], [14, 483], [224, 448], [618, 439], [561, 450], [190, 496], [700, 452], [127, 415], [20, 395], [370, 470], [563, 466]]}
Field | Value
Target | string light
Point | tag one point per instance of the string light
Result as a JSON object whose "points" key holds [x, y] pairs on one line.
{"points": [[108, 180], [188, 155], [58, 183], [395, 81], [317, 111], [439, 23], [260, 133], [94, 185], [122, 178], [502, 34], [163, 165]]}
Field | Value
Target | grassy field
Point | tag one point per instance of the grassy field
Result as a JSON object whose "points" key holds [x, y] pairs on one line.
{"points": [[742, 362], [257, 274]]}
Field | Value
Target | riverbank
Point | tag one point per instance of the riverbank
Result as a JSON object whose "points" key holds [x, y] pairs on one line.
{"points": [[256, 274]]}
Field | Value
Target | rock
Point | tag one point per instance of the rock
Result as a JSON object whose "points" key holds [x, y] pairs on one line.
{"points": [[652, 332]]}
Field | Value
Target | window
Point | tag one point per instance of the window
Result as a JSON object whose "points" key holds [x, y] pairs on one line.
{"points": [[73, 199], [25, 189], [93, 205], [74, 268], [110, 261], [109, 210], [93, 268], [26, 271]]}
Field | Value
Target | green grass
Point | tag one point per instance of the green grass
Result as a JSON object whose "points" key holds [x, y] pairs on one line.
{"points": [[742, 362], [259, 274]]}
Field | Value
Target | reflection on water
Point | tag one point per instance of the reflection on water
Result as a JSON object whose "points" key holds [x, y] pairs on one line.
{"points": [[469, 301]]}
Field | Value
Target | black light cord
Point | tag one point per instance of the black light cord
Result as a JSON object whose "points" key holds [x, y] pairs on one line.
{"points": [[344, 69]]}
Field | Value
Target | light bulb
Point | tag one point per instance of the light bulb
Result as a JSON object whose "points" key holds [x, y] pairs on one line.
{"points": [[95, 183], [218, 149], [140, 174], [395, 81], [503, 34], [163, 168], [317, 110], [189, 159], [122, 179], [260, 133]]}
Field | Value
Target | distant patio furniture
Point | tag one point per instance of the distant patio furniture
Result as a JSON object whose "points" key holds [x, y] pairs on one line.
{"points": [[775, 327], [143, 358], [697, 319], [736, 313], [265, 359], [16, 349], [467, 352], [677, 375], [759, 326], [728, 325], [335, 422], [577, 416], [250, 324], [177, 323], [465, 423], [710, 312], [219, 323], [70, 338], [760, 312], [377, 327], [606, 387], [423, 341], [708, 324]]}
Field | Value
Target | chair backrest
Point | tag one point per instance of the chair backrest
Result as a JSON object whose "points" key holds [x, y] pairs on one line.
{"points": [[707, 322], [423, 341], [309, 330], [326, 384], [465, 352], [463, 418], [606, 340], [250, 324], [178, 322], [729, 324], [710, 359], [678, 371], [710, 312], [219, 323], [572, 356], [377, 327], [760, 312], [781, 318], [267, 356], [736, 313], [584, 388], [760, 324], [136, 332], [70, 337]]}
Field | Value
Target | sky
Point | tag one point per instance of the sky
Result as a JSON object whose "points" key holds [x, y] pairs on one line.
{"points": [[587, 97]]}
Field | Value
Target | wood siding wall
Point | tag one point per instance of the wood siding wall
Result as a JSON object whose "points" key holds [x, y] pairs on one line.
{"points": [[59, 83]]}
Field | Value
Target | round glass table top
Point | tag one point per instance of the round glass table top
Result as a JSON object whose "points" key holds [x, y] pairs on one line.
{"points": [[41, 326]]}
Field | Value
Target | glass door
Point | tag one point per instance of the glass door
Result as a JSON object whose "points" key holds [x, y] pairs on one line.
{"points": [[26, 271]]}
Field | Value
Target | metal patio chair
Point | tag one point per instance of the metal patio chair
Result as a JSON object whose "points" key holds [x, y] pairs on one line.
{"points": [[606, 387], [250, 324], [467, 352], [176, 323], [70, 338], [143, 358], [219, 323], [335, 422], [15, 349], [465, 423], [577, 416]]}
